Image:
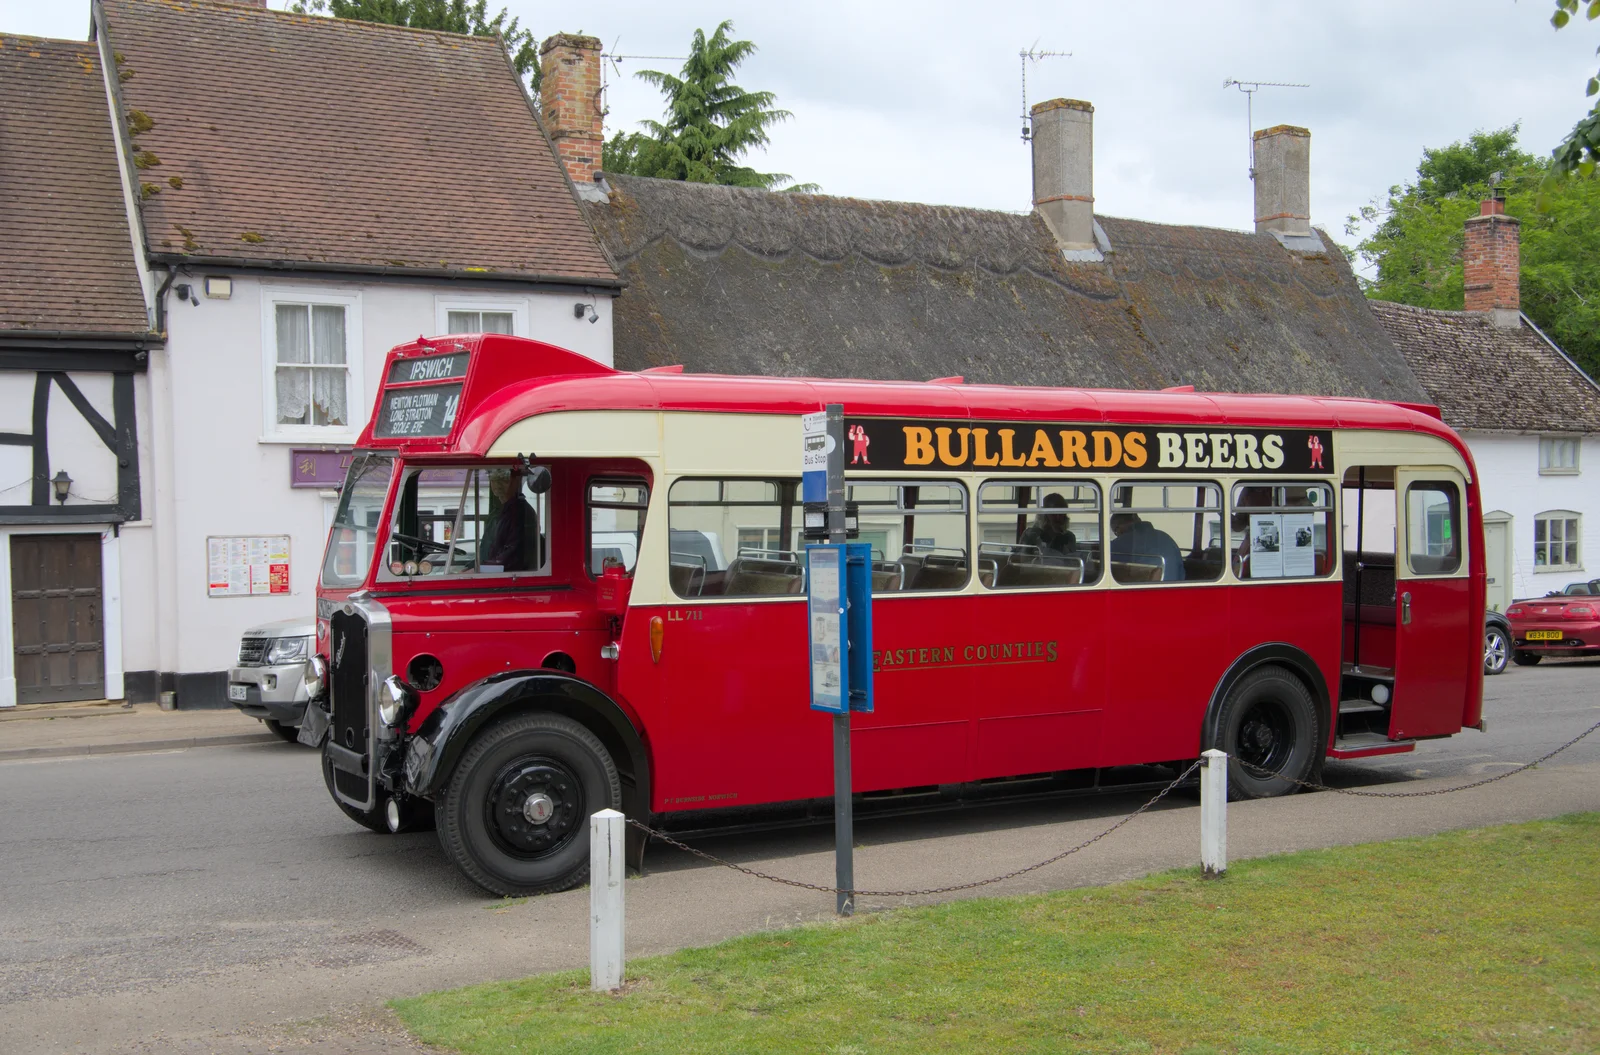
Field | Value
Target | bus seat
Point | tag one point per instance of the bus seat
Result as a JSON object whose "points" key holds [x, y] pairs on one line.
{"points": [[1135, 571], [988, 569], [1203, 568], [1040, 575], [688, 580], [940, 576], [762, 578], [886, 576]]}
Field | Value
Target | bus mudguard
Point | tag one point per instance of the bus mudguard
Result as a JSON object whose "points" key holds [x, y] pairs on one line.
{"points": [[1283, 655], [439, 744]]}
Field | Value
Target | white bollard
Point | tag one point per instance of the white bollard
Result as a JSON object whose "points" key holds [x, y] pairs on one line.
{"points": [[606, 869], [1214, 814]]}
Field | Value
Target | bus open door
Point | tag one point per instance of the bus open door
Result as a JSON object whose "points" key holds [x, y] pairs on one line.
{"points": [[1437, 638]]}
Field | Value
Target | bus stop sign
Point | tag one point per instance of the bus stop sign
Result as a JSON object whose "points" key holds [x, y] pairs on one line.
{"points": [[839, 617]]}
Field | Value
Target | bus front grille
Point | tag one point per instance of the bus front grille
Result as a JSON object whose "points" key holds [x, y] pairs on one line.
{"points": [[347, 682]]}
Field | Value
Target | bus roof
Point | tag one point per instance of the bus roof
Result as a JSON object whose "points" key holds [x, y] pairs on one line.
{"points": [[457, 394]]}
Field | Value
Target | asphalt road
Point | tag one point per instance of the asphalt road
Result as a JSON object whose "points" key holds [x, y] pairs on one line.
{"points": [[215, 900]]}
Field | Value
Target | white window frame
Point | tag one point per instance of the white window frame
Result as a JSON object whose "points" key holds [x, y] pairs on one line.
{"points": [[354, 359], [517, 307], [1561, 470], [1555, 515]]}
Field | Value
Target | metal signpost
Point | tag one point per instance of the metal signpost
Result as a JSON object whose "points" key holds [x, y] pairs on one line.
{"points": [[839, 620]]}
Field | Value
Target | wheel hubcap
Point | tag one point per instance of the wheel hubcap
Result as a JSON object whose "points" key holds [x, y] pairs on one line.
{"points": [[535, 807], [1265, 737], [1494, 651]]}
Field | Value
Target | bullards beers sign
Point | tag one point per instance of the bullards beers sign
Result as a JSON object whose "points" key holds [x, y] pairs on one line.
{"points": [[933, 446]]}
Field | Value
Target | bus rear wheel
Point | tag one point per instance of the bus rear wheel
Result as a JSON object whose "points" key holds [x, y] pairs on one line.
{"points": [[1268, 727], [514, 815]]}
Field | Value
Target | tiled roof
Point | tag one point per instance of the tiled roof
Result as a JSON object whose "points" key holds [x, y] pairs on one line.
{"points": [[732, 280], [1485, 377], [66, 260], [294, 140]]}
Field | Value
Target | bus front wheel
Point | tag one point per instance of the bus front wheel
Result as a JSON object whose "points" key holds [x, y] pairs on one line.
{"points": [[1268, 727], [514, 816]]}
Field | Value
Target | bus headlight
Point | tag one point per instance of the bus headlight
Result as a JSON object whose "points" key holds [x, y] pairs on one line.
{"points": [[394, 701], [316, 677]]}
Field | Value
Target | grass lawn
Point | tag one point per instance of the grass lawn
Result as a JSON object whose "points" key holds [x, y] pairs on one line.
{"points": [[1474, 941]]}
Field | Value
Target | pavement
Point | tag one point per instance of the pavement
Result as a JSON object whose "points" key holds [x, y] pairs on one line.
{"points": [[215, 901], [55, 730]]}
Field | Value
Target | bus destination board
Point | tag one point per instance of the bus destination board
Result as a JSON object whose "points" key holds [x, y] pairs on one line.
{"points": [[419, 411], [428, 368]]}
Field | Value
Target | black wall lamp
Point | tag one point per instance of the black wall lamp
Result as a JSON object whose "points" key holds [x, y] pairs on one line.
{"points": [[63, 484]]}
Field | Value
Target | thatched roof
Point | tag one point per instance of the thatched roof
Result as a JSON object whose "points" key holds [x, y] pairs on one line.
{"points": [[731, 280]]}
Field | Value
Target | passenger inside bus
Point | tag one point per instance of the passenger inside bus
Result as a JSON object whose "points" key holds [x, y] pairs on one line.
{"points": [[1137, 541], [1049, 533]]}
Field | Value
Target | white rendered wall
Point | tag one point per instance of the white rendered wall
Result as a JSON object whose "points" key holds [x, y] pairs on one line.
{"points": [[229, 478], [1509, 480]]}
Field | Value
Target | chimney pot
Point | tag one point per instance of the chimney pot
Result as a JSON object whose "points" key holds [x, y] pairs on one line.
{"points": [[1283, 180], [569, 99], [1491, 265], [1063, 170]]}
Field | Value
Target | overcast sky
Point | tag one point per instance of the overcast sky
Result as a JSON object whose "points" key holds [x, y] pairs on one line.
{"points": [[922, 101]]}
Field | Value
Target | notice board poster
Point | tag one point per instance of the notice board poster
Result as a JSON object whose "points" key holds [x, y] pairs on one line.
{"points": [[246, 565]]}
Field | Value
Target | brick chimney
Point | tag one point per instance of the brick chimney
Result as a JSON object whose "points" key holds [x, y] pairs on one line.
{"points": [[1283, 180], [1063, 170], [569, 96], [1492, 264]]}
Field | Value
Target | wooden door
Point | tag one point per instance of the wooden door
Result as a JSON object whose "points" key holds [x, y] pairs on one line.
{"points": [[56, 618]]}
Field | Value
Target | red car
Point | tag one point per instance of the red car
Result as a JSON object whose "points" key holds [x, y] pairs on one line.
{"points": [[1563, 624]]}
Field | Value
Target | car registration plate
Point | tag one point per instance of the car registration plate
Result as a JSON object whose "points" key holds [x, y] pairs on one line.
{"points": [[1544, 635], [238, 693]]}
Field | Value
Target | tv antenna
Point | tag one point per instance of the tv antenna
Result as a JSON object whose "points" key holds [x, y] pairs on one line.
{"points": [[1035, 55], [615, 61], [1250, 88]]}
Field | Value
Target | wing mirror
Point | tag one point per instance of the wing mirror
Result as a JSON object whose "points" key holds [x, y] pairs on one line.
{"points": [[536, 478]]}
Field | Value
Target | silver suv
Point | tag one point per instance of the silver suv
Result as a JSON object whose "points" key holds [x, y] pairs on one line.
{"points": [[269, 681]]}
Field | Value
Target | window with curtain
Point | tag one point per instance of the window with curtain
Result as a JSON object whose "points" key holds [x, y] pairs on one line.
{"points": [[479, 321], [312, 370], [1555, 540]]}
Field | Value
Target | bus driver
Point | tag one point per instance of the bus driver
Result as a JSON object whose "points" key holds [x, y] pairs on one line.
{"points": [[1140, 542], [512, 543]]}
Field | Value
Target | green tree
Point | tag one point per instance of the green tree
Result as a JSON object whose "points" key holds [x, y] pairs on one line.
{"points": [[1580, 151], [1415, 237], [451, 16], [710, 122]]}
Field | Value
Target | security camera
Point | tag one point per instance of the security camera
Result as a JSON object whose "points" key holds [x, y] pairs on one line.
{"points": [[594, 316], [186, 292]]}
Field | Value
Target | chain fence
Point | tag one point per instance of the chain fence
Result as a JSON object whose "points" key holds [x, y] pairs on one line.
{"points": [[823, 888], [1313, 786]]}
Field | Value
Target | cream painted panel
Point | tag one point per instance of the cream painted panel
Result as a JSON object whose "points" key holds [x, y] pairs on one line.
{"points": [[1377, 447], [96, 388], [16, 476], [75, 446], [16, 401], [584, 434], [732, 443]]}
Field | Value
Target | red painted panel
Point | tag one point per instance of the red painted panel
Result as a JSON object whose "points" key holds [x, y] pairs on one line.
{"points": [[1167, 648], [1307, 615], [1436, 657]]}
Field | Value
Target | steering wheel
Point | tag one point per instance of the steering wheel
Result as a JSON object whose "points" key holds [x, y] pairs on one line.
{"points": [[423, 546]]}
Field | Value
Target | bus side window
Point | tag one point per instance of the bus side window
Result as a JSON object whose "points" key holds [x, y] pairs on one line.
{"points": [[734, 537], [918, 532], [1433, 527], [483, 520], [1044, 533], [1168, 531], [1281, 530], [616, 523]]}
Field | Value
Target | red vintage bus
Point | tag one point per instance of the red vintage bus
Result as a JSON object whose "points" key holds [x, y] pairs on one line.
{"points": [[553, 587]]}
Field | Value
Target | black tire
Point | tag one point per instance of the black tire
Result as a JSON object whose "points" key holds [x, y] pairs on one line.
{"points": [[1268, 725], [1526, 659], [511, 772], [372, 820], [1496, 650], [289, 734]]}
